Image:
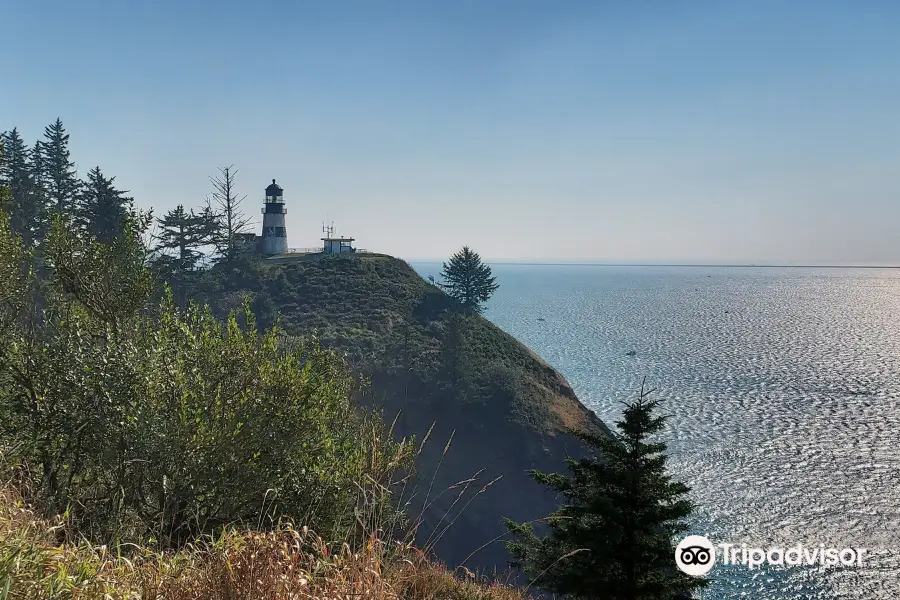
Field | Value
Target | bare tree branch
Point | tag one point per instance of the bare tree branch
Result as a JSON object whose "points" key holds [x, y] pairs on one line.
{"points": [[226, 206]]}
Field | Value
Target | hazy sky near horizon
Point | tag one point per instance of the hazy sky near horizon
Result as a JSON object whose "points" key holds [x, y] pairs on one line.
{"points": [[699, 131]]}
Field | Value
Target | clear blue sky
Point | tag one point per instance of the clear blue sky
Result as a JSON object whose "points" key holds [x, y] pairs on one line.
{"points": [[697, 130]]}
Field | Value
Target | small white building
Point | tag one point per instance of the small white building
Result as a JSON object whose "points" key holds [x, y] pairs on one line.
{"points": [[340, 245]]}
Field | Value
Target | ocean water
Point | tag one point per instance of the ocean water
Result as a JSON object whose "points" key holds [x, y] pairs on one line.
{"points": [[783, 390]]}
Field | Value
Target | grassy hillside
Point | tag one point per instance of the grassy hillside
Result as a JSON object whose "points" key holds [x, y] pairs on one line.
{"points": [[464, 379], [45, 559]]}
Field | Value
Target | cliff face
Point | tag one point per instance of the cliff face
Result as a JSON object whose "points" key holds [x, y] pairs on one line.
{"points": [[506, 410]]}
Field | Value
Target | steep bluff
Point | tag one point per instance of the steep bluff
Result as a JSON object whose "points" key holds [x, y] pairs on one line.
{"points": [[506, 409]]}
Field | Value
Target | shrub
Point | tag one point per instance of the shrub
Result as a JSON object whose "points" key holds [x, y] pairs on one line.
{"points": [[159, 423]]}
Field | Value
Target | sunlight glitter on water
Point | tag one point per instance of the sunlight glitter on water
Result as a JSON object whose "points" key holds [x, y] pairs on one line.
{"points": [[784, 391]]}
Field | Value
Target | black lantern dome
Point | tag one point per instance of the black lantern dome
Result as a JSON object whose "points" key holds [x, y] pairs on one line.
{"points": [[274, 189]]}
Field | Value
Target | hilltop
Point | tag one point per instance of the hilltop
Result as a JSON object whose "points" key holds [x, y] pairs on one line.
{"points": [[506, 410]]}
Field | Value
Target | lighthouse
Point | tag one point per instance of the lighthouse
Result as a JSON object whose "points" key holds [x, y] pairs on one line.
{"points": [[274, 232]]}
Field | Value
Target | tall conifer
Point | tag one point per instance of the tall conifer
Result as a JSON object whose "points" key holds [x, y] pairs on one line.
{"points": [[101, 209], [27, 209], [59, 170], [468, 279]]}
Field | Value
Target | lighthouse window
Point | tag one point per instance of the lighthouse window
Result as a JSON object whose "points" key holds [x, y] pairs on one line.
{"points": [[280, 232]]}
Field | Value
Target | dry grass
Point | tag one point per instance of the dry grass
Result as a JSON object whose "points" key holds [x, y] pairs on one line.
{"points": [[285, 563], [570, 415]]}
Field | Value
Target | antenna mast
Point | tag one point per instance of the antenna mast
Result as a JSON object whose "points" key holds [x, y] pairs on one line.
{"points": [[328, 230]]}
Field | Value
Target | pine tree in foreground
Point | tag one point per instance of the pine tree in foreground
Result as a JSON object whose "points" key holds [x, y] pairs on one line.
{"points": [[468, 279], [613, 538]]}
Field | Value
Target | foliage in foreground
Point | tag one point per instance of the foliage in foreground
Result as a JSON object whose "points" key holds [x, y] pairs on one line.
{"points": [[613, 536], [280, 564], [154, 424]]}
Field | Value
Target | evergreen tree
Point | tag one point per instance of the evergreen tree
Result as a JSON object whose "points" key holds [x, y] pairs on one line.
{"points": [[468, 280], [39, 180], [38, 172], [5, 199], [230, 219], [15, 155], [184, 233], [27, 211], [101, 209], [613, 536], [206, 226], [59, 170]]}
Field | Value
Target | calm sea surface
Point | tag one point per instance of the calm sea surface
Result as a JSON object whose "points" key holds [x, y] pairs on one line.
{"points": [[784, 390]]}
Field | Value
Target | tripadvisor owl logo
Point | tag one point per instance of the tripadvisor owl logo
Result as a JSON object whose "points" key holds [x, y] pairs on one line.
{"points": [[695, 555]]}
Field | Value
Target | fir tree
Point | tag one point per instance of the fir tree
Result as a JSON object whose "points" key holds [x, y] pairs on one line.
{"points": [[468, 280], [39, 180], [206, 226], [101, 209], [184, 233], [38, 172], [613, 536], [59, 170], [27, 211], [15, 156], [5, 199]]}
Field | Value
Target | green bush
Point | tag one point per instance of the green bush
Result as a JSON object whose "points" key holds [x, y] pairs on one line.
{"points": [[148, 421]]}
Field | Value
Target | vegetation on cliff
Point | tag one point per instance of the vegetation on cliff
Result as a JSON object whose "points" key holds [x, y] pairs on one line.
{"points": [[159, 430], [177, 445], [171, 421], [449, 373], [435, 369], [155, 424]]}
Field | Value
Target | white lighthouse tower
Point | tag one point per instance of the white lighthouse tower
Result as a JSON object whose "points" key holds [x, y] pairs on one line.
{"points": [[274, 232]]}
